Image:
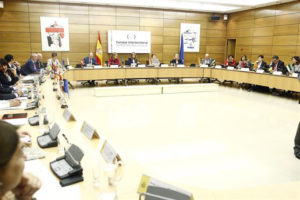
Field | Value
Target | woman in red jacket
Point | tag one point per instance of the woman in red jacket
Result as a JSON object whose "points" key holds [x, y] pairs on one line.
{"points": [[230, 61], [114, 60]]}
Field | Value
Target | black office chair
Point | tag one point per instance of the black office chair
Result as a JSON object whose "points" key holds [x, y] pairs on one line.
{"points": [[297, 143], [78, 66]]}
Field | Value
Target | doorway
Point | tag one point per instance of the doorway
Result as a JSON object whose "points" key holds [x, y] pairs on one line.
{"points": [[230, 47]]}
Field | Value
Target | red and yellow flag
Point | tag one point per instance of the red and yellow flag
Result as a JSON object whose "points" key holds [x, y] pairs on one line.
{"points": [[99, 52]]}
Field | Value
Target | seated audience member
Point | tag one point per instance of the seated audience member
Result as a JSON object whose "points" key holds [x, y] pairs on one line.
{"points": [[176, 60], [208, 61], [114, 60], [89, 60], [14, 183], [39, 61], [154, 60], [7, 93], [295, 67], [53, 63], [230, 62], [12, 64], [277, 65], [30, 66], [132, 59], [5, 78], [260, 64], [244, 62]]}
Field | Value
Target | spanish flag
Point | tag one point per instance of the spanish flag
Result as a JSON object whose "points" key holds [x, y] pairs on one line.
{"points": [[99, 52]]}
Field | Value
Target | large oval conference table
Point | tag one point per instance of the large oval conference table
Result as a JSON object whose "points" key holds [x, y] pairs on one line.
{"points": [[263, 79]]}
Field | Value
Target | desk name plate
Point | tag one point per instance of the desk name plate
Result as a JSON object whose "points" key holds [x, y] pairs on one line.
{"points": [[89, 131], [68, 116]]}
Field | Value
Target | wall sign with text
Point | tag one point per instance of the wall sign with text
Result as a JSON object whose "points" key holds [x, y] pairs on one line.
{"points": [[129, 41]]}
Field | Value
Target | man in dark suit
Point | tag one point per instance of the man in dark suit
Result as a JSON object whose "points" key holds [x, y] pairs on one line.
{"points": [[277, 65], [132, 59], [89, 60], [30, 66], [176, 60], [39, 61], [7, 93]]}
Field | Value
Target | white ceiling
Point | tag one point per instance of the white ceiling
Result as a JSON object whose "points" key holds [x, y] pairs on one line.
{"points": [[216, 6]]}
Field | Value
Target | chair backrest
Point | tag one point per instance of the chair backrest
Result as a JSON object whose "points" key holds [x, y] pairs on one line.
{"points": [[297, 137]]}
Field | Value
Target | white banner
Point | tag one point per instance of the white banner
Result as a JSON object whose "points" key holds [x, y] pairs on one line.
{"points": [[191, 37], [129, 41], [55, 34]]}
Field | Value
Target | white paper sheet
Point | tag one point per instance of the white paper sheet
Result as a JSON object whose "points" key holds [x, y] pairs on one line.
{"points": [[4, 105], [17, 122], [51, 188]]}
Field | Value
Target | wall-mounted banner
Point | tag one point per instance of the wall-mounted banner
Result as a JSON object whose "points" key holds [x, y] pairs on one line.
{"points": [[191, 37], [55, 34], [129, 41]]}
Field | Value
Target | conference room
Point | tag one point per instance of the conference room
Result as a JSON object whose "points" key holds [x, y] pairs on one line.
{"points": [[149, 100]]}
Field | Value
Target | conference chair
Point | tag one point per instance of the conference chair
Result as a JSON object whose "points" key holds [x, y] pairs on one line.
{"points": [[297, 143]]}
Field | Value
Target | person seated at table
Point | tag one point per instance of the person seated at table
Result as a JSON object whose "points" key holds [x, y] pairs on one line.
{"points": [[14, 182], [89, 60], [260, 64], [132, 59], [295, 67], [53, 63], [208, 61], [154, 60], [114, 60], [39, 61], [176, 60], [230, 62], [8, 92], [12, 64], [277, 65], [30, 66], [244, 62], [5, 78]]}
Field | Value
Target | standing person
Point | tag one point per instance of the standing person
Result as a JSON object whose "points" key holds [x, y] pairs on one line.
{"points": [[30, 66], [14, 183]]}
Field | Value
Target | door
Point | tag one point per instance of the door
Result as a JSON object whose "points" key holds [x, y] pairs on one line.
{"points": [[230, 47]]}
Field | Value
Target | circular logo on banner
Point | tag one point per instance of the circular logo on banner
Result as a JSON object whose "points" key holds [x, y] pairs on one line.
{"points": [[131, 36]]}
